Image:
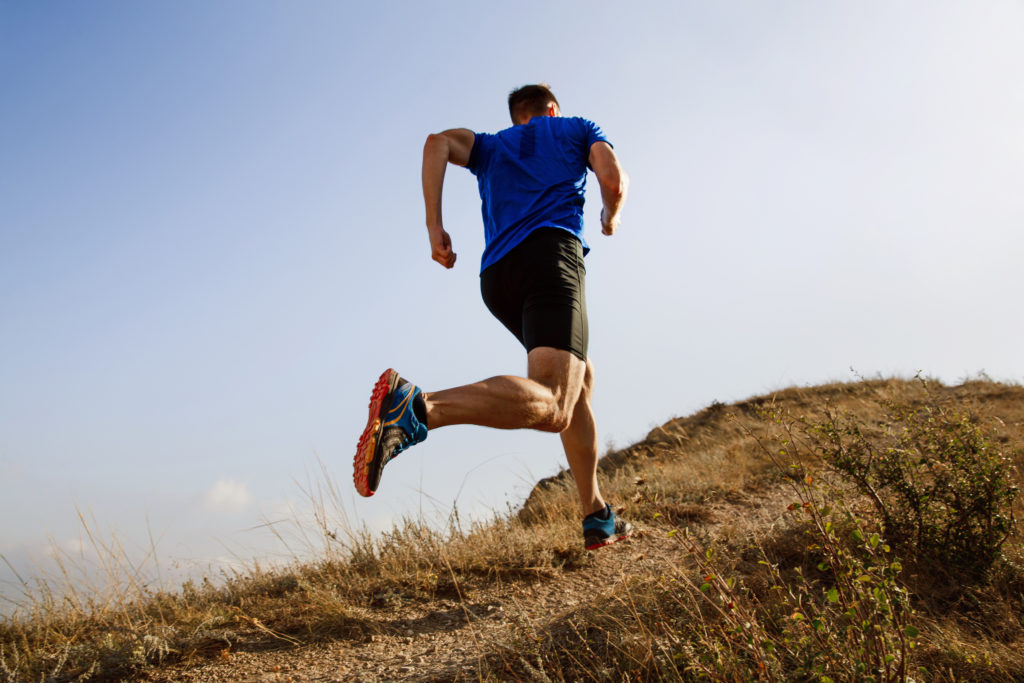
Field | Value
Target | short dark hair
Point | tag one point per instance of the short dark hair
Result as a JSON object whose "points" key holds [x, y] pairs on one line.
{"points": [[530, 100]]}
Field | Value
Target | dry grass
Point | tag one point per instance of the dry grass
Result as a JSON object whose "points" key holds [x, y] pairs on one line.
{"points": [[701, 483], [670, 621], [109, 628]]}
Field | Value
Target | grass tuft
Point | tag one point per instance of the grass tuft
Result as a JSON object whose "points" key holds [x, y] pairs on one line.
{"points": [[813, 534]]}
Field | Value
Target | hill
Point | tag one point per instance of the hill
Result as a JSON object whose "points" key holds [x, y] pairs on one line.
{"points": [[827, 533]]}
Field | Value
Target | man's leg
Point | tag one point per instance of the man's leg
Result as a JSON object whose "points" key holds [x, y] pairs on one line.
{"points": [[400, 413], [546, 400], [555, 397], [601, 526], [580, 444]]}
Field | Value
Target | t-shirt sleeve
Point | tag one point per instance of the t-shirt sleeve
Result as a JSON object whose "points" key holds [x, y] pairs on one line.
{"points": [[593, 133], [478, 156]]}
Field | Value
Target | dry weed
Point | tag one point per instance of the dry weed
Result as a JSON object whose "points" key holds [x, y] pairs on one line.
{"points": [[719, 600]]}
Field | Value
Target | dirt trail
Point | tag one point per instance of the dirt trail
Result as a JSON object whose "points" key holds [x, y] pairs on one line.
{"points": [[447, 639]]}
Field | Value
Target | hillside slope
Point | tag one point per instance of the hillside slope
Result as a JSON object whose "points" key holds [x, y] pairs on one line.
{"points": [[519, 599]]}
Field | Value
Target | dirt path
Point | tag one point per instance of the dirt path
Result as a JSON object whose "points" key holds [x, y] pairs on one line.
{"points": [[446, 640]]}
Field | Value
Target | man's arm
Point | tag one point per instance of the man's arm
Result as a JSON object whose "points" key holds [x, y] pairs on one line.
{"points": [[451, 146], [613, 181]]}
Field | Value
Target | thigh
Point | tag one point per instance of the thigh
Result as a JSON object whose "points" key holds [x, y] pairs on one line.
{"points": [[538, 292], [503, 297], [554, 307]]}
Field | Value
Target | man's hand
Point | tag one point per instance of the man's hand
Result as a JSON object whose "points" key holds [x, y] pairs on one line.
{"points": [[441, 246], [608, 227]]}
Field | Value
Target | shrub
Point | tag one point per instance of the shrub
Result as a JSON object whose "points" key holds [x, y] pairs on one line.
{"points": [[849, 618], [938, 483]]}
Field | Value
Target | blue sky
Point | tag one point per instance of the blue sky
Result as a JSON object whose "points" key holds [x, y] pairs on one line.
{"points": [[212, 240]]}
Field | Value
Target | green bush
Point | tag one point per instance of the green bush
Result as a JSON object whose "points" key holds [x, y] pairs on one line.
{"points": [[850, 622], [939, 484]]}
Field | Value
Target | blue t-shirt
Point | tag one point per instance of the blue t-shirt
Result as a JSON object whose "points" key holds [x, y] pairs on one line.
{"points": [[532, 176]]}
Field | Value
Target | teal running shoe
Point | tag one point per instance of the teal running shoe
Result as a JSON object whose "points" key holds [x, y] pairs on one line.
{"points": [[603, 528], [398, 420]]}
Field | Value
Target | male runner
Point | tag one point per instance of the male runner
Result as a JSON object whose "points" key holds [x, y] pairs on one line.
{"points": [[531, 178]]}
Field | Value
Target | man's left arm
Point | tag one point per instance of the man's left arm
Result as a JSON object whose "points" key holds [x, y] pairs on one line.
{"points": [[614, 183], [451, 146]]}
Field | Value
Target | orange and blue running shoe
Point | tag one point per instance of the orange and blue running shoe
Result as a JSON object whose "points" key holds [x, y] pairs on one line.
{"points": [[398, 420], [603, 528]]}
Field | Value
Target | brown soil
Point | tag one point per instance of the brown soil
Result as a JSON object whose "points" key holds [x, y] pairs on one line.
{"points": [[450, 639]]}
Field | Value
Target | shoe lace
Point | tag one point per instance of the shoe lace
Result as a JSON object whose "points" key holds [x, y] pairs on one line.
{"points": [[397, 444], [404, 443]]}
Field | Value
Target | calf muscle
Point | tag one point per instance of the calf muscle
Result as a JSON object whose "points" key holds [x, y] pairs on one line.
{"points": [[546, 400]]}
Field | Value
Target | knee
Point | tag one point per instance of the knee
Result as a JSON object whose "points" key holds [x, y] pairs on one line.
{"points": [[560, 414], [557, 421], [588, 382]]}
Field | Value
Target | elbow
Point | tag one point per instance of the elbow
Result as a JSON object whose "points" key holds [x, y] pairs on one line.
{"points": [[436, 142]]}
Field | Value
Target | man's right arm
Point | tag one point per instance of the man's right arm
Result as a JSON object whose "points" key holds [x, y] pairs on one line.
{"points": [[450, 146], [613, 181]]}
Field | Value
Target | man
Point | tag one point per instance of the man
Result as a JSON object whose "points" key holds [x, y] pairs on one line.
{"points": [[531, 178]]}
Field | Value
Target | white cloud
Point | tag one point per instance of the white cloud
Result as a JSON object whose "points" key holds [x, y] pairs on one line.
{"points": [[229, 494], [70, 548]]}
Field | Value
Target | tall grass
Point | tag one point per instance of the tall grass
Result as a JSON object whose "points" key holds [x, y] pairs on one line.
{"points": [[112, 620], [758, 557], [819, 592]]}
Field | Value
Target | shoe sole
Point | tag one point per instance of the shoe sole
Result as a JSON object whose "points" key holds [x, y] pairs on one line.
{"points": [[371, 434], [610, 540]]}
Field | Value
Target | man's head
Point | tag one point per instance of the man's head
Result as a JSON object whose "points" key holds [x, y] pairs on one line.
{"points": [[532, 100]]}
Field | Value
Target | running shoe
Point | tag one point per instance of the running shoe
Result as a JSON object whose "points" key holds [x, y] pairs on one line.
{"points": [[397, 421], [604, 528]]}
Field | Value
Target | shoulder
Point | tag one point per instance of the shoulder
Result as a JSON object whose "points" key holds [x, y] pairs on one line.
{"points": [[581, 131], [579, 126], [577, 122], [581, 121], [592, 130], [487, 143], [483, 144], [482, 138]]}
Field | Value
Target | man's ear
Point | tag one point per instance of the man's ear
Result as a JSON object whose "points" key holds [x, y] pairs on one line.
{"points": [[553, 110]]}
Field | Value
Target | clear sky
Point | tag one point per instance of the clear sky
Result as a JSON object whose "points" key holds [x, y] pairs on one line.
{"points": [[212, 237]]}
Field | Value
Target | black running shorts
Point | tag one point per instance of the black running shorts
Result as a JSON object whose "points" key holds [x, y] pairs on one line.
{"points": [[537, 291]]}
